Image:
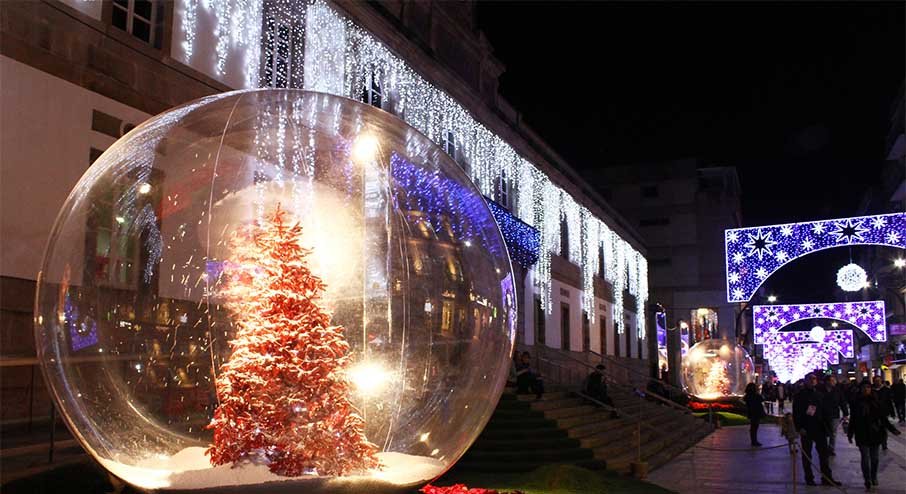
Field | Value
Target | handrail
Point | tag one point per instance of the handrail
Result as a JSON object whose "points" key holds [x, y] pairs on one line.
{"points": [[622, 413], [657, 397]]}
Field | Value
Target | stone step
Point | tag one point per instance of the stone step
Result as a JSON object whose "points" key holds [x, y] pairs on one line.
{"points": [[554, 404], [549, 396], [526, 466], [614, 449], [553, 455], [563, 413], [526, 442], [658, 452]]}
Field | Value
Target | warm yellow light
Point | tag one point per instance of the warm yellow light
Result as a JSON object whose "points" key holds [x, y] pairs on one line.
{"points": [[369, 378], [365, 148], [424, 437], [144, 188], [120, 220]]}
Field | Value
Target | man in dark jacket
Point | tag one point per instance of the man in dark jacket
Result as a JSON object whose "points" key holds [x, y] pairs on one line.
{"points": [[885, 400], [869, 426], [596, 386], [811, 421], [899, 399], [833, 404]]}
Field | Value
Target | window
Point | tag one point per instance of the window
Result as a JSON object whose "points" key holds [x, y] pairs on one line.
{"points": [[564, 326], [372, 93], [502, 191], [540, 322], [639, 345], [603, 330], [449, 144], [654, 222], [586, 333], [628, 334], [279, 55], [140, 18], [616, 340], [649, 191], [602, 268]]}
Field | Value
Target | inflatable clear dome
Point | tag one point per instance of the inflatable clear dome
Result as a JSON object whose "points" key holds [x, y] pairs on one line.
{"points": [[715, 369], [275, 289]]}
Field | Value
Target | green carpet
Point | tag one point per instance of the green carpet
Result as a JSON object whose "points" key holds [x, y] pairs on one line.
{"points": [[726, 418]]}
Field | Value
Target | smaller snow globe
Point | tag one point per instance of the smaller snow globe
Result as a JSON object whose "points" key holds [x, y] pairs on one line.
{"points": [[717, 369]]}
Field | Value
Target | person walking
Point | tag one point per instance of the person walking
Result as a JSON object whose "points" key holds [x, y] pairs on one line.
{"points": [[869, 426], [781, 395], [768, 392], [834, 404], [885, 400], [811, 422], [898, 390], [755, 409]]}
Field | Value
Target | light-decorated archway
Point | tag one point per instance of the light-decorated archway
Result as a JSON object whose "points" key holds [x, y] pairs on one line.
{"points": [[835, 343], [868, 316], [754, 254]]}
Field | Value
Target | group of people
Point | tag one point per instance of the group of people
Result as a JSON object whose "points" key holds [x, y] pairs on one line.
{"points": [[529, 380], [820, 407]]}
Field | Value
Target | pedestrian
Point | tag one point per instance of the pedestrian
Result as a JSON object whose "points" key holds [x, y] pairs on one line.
{"points": [[869, 426], [811, 422], [596, 386], [898, 390], [834, 404], [526, 379], [769, 393], [755, 409], [885, 399], [781, 396]]}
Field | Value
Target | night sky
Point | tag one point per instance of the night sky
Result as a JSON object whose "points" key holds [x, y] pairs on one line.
{"points": [[797, 96]]}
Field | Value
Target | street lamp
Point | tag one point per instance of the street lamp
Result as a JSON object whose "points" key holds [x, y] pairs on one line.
{"points": [[772, 298], [900, 263]]}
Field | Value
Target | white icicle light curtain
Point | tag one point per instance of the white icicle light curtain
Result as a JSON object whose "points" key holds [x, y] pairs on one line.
{"points": [[339, 56]]}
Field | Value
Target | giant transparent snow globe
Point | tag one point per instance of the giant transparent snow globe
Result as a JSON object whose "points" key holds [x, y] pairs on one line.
{"points": [[714, 369], [296, 284]]}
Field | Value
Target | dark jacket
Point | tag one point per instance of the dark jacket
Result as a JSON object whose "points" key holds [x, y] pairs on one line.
{"points": [[867, 423], [754, 405], [899, 392], [815, 425], [595, 385], [885, 397], [833, 403]]}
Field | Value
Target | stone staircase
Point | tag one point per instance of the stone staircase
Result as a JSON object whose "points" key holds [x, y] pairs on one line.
{"points": [[521, 437], [563, 427]]}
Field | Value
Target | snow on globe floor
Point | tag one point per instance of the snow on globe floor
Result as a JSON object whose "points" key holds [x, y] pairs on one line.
{"points": [[191, 470]]}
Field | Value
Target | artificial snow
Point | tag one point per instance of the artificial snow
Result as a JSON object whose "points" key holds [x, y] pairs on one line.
{"points": [[191, 469]]}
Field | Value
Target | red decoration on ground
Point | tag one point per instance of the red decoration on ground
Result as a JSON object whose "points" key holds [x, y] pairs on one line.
{"points": [[283, 392], [461, 489]]}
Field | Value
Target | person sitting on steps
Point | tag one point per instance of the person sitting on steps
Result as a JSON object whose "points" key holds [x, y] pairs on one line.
{"points": [[526, 379]]}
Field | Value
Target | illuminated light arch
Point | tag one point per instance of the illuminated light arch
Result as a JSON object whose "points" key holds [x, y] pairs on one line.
{"points": [[787, 343], [754, 254], [793, 367], [868, 316]]}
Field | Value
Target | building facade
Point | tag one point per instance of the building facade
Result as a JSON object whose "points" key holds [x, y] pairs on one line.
{"points": [[681, 209], [78, 75]]}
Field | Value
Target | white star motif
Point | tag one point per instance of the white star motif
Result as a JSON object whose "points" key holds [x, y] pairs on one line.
{"points": [[732, 235], [878, 222], [737, 294], [781, 256], [786, 230], [734, 277], [760, 243], [818, 228], [738, 257], [761, 273], [807, 244], [893, 237], [848, 231]]}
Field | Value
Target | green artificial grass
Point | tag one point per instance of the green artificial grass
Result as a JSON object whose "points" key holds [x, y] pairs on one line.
{"points": [[553, 479], [726, 418]]}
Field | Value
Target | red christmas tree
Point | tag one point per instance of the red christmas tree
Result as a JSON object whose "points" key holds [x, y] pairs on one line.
{"points": [[283, 392]]}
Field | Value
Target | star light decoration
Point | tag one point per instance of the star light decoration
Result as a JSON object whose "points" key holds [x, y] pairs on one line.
{"points": [[340, 57], [754, 254], [869, 317]]}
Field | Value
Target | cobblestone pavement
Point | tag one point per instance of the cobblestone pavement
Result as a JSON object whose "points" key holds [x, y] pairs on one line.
{"points": [[768, 470]]}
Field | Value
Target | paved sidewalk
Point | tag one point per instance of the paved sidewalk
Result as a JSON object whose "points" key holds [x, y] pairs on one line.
{"points": [[703, 471]]}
